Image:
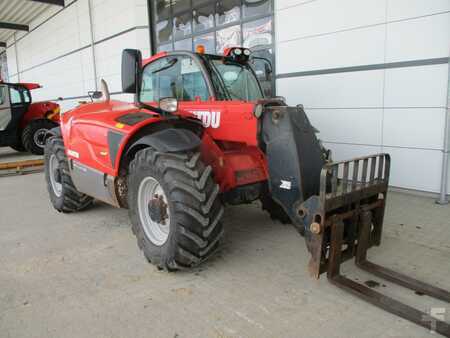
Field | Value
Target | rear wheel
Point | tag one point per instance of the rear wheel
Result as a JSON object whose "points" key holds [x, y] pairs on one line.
{"points": [[174, 208], [63, 194], [18, 146], [34, 135]]}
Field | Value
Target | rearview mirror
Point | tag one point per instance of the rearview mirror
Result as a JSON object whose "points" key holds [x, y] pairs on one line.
{"points": [[131, 70], [169, 104], [95, 94]]}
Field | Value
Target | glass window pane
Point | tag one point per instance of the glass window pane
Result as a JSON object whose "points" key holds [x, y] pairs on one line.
{"points": [[162, 21], [14, 95], [192, 84], [149, 86], [196, 3], [228, 37], [207, 40], [182, 25], [26, 96], [167, 74], [255, 7], [180, 6], [185, 44], [262, 70], [257, 33], [165, 48], [203, 18], [2, 94], [239, 80], [228, 11]]}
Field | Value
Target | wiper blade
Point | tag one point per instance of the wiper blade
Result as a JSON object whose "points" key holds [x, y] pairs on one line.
{"points": [[170, 64]]}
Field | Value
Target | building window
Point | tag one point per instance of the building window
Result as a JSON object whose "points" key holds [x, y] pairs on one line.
{"points": [[217, 24]]}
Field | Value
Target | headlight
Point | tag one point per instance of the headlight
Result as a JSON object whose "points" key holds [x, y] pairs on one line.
{"points": [[237, 51], [258, 110]]}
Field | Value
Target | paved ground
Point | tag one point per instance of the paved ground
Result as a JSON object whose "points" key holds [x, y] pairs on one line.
{"points": [[9, 155], [82, 275]]}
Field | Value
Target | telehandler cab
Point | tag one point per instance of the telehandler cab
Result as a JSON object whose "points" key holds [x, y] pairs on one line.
{"points": [[200, 134], [23, 123]]}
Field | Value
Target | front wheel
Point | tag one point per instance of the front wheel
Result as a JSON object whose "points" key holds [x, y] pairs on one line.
{"points": [[63, 194], [35, 134], [174, 208]]}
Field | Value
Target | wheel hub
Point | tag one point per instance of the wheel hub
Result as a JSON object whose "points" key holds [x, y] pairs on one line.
{"points": [[55, 175], [39, 137], [157, 209], [154, 211]]}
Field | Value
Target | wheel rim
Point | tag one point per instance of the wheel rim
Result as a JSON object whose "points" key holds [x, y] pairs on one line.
{"points": [[53, 172], [154, 211], [39, 137]]}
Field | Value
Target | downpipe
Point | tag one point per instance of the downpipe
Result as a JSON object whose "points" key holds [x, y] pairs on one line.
{"points": [[94, 61], [443, 199]]}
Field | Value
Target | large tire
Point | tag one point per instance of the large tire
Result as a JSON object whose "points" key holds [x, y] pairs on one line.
{"points": [[63, 194], [191, 199], [275, 211], [18, 146], [34, 135]]}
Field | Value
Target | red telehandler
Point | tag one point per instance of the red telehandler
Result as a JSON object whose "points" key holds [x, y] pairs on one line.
{"points": [[200, 134], [23, 123]]}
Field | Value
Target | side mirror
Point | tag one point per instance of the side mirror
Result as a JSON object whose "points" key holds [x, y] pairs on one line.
{"points": [[95, 95], [267, 67], [131, 70], [169, 104]]}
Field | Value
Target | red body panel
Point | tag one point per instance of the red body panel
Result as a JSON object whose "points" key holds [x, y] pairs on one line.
{"points": [[39, 110], [229, 144], [31, 86]]}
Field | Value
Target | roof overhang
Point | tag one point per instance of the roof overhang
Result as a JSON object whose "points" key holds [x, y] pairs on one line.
{"points": [[18, 14]]}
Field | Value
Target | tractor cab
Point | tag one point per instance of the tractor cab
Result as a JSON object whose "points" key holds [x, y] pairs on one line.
{"points": [[15, 99], [22, 122]]}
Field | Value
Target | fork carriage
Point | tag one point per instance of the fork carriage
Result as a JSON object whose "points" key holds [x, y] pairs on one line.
{"points": [[345, 220]]}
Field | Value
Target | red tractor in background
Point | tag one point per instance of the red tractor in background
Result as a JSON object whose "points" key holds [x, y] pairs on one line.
{"points": [[23, 123], [199, 135]]}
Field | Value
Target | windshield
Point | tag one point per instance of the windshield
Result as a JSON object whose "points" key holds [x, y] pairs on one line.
{"points": [[237, 80]]}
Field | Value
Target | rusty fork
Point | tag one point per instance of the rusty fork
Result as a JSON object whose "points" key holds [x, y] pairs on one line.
{"points": [[386, 303]]}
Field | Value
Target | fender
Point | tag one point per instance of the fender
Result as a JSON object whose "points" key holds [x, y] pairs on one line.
{"points": [[53, 132], [169, 140]]}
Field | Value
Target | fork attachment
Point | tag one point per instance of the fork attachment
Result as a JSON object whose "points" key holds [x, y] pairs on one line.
{"points": [[345, 220]]}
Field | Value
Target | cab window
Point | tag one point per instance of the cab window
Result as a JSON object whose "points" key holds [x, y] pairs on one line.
{"points": [[2, 95], [174, 76], [26, 96], [15, 95]]}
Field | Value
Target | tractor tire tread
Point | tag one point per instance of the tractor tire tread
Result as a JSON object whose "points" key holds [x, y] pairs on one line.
{"points": [[196, 207], [71, 199]]}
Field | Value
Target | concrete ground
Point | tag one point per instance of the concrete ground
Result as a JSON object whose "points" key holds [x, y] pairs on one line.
{"points": [[9, 155], [82, 275]]}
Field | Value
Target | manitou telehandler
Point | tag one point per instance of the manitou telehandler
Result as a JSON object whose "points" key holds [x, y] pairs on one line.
{"points": [[200, 134], [23, 123]]}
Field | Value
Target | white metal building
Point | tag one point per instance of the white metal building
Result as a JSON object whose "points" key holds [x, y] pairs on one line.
{"points": [[373, 75]]}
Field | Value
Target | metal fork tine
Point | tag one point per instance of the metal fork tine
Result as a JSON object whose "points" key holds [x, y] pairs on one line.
{"points": [[380, 167], [334, 175], [355, 174], [364, 171], [373, 163], [345, 178]]}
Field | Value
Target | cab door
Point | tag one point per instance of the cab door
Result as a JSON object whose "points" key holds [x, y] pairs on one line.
{"points": [[12, 108], [180, 76], [5, 108], [5, 115]]}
